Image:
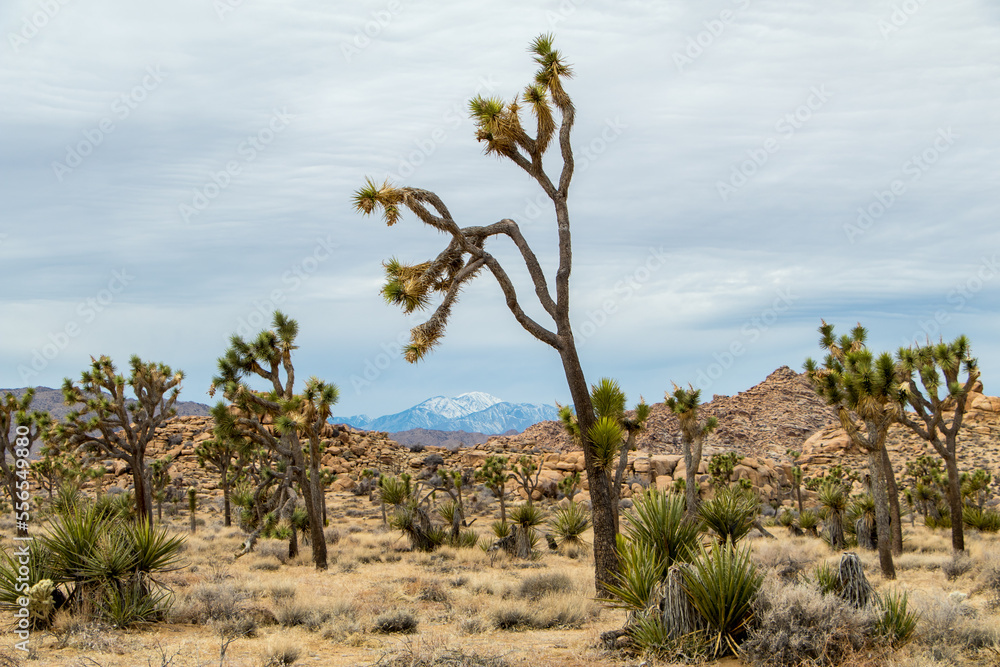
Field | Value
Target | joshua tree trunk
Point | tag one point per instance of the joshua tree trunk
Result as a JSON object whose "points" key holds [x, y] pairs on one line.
{"points": [[605, 553], [226, 514], [955, 504], [876, 466], [143, 501], [692, 459], [896, 522]]}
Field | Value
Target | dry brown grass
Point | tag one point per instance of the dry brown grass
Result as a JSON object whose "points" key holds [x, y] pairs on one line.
{"points": [[490, 611]]}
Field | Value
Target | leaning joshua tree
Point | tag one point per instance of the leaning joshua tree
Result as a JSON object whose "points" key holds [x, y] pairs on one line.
{"points": [[412, 286], [278, 419], [863, 388], [939, 366]]}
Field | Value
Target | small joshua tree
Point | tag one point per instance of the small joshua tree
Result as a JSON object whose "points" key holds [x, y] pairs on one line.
{"points": [[684, 403], [526, 474], [19, 430], [612, 434], [494, 475]]}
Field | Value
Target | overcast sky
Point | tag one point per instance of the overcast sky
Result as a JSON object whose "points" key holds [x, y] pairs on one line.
{"points": [[171, 172]]}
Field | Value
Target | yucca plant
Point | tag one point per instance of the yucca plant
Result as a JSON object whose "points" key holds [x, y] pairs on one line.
{"points": [[862, 514], [659, 520], [569, 523], [894, 621], [722, 585], [11, 579], [730, 514], [984, 520], [808, 521], [833, 498], [640, 572], [525, 518]]}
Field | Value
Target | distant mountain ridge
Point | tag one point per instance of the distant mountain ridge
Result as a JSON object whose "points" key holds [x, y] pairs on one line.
{"points": [[50, 400], [475, 412]]}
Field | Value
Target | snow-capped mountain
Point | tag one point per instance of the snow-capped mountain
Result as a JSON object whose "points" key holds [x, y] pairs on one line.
{"points": [[475, 411]]}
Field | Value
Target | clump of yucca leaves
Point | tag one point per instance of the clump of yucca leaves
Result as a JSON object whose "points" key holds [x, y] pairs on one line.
{"points": [[731, 513], [569, 523], [682, 597], [103, 565]]}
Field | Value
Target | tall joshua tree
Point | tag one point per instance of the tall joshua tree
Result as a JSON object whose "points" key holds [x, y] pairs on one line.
{"points": [[19, 430], [940, 416], [411, 286], [277, 419], [684, 404], [862, 387], [111, 423]]}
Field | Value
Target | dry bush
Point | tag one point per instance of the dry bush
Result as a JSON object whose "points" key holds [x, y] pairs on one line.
{"points": [[512, 616], [332, 535], [797, 625], [788, 557], [436, 654], [277, 549], [398, 621], [955, 567], [265, 564], [924, 541], [921, 561], [280, 652], [538, 585], [948, 626], [206, 602]]}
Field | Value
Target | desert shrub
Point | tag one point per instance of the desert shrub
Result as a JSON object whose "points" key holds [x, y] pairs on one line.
{"points": [[207, 602], [295, 613], [472, 625], [432, 593], [959, 564], [242, 626], [787, 558], [398, 621], [945, 622], [560, 611], [827, 579], [796, 625], [265, 564], [281, 653], [537, 585], [332, 535], [276, 549], [467, 539], [786, 518], [512, 616]]}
